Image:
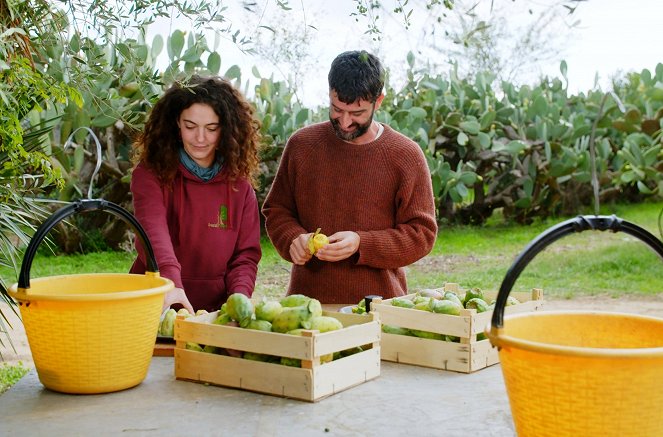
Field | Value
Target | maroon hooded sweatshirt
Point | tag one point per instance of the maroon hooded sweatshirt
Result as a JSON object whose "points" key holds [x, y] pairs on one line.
{"points": [[205, 235]]}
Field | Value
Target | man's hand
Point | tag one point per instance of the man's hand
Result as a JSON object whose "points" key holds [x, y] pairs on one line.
{"points": [[299, 249], [177, 295], [341, 245]]}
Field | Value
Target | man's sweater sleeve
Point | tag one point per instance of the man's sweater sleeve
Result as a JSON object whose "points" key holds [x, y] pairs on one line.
{"points": [[150, 211], [415, 232]]}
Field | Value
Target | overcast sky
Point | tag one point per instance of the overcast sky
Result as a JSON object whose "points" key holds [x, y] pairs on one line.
{"points": [[613, 36]]}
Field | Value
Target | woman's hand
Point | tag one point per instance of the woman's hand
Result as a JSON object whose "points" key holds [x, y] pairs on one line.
{"points": [[177, 295]]}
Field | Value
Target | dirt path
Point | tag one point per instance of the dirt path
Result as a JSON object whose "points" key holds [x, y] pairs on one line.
{"points": [[652, 306]]}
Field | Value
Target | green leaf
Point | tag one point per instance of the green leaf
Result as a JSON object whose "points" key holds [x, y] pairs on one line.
{"points": [[487, 119], [214, 62], [191, 55], [462, 190], [75, 43], [141, 53], [453, 119], [539, 107], [563, 68], [175, 44], [157, 46], [233, 72], [462, 138], [523, 202], [643, 188], [301, 117], [410, 59], [468, 178], [471, 127], [417, 113], [515, 147], [484, 140], [628, 176], [103, 121], [632, 116]]}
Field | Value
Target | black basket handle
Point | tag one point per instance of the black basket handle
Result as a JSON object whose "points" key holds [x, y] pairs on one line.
{"points": [[577, 224], [71, 209]]}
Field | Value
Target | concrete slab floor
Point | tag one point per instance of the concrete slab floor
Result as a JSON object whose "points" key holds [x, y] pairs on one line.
{"points": [[403, 400]]}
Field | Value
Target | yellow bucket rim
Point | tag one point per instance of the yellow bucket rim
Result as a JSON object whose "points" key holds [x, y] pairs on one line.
{"points": [[22, 294], [500, 340]]}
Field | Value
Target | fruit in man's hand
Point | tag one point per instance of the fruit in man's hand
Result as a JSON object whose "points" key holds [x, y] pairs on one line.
{"points": [[317, 241]]}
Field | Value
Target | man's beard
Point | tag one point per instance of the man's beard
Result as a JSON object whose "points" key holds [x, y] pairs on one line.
{"points": [[360, 129]]}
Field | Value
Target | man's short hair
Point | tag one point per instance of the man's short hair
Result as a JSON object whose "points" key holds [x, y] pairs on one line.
{"points": [[356, 75]]}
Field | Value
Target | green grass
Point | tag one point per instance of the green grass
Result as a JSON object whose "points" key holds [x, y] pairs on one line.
{"points": [[10, 374], [589, 263]]}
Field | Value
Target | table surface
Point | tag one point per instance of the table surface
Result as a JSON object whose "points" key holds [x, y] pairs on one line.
{"points": [[403, 399]]}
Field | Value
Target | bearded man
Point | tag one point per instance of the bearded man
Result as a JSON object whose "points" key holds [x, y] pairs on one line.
{"points": [[362, 183]]}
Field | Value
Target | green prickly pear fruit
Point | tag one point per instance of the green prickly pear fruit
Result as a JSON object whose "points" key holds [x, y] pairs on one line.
{"points": [[294, 300], [315, 307], [224, 308], [253, 356], [429, 292], [429, 335], [292, 362], [390, 329], [240, 308], [193, 346], [267, 310], [351, 351], [477, 304], [402, 302], [424, 304], [325, 324], [290, 318], [211, 349], [510, 300], [450, 295], [167, 324], [327, 358], [444, 306], [297, 331], [183, 312], [418, 298], [259, 325], [223, 319], [473, 293], [201, 312]]}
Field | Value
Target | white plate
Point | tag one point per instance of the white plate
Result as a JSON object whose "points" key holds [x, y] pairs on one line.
{"points": [[347, 309]]}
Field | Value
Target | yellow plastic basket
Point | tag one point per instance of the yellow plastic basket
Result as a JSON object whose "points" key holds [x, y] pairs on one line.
{"points": [[90, 333], [580, 373]]}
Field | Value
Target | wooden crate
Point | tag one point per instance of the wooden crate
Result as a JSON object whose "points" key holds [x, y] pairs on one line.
{"points": [[467, 356], [312, 382]]}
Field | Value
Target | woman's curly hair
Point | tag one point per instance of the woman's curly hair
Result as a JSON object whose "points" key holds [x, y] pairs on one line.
{"points": [[157, 147]]}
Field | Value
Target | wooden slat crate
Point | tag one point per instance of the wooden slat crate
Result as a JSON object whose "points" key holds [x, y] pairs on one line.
{"points": [[312, 382], [467, 356]]}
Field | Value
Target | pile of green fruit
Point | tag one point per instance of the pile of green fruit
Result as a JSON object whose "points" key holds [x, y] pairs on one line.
{"points": [[167, 323], [291, 315], [442, 302]]}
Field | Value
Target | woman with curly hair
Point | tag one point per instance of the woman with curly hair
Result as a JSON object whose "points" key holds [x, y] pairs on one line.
{"points": [[193, 192]]}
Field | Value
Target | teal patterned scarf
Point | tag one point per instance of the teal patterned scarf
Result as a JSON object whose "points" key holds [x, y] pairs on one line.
{"points": [[205, 174]]}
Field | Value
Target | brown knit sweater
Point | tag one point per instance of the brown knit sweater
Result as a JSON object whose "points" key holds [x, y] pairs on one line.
{"points": [[381, 190]]}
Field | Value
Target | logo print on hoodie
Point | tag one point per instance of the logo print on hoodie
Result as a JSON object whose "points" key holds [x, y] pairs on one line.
{"points": [[222, 219]]}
